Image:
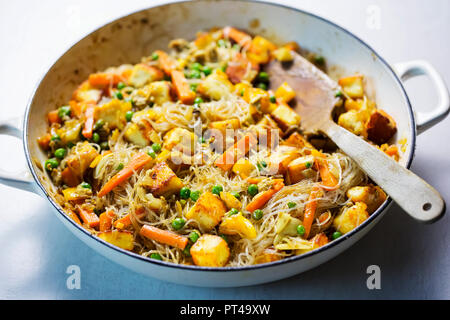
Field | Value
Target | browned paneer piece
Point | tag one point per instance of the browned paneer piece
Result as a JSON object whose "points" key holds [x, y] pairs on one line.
{"points": [[351, 217], [298, 141], [381, 127], [267, 256], [78, 162], [163, 181], [207, 211], [299, 169], [210, 251], [285, 117], [372, 196], [122, 239], [281, 158], [143, 74], [180, 139]]}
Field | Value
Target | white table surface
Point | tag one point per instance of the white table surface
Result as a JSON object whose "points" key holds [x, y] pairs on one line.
{"points": [[36, 249]]}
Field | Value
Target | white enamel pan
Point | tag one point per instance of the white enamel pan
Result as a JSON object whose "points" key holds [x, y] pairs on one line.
{"points": [[127, 39]]}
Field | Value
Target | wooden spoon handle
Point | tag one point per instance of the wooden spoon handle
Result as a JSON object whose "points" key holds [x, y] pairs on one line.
{"points": [[420, 200]]}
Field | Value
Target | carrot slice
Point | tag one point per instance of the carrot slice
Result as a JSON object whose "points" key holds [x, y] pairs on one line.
{"points": [[165, 62], [123, 222], [164, 236], [53, 117], [329, 181], [135, 164], [88, 217], [74, 217], [106, 220], [237, 151], [103, 80], [310, 209], [261, 199], [69, 178], [44, 141], [184, 92], [242, 38], [89, 122]]}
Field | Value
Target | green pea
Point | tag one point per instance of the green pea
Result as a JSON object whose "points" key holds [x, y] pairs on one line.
{"points": [[120, 167], [151, 153], [236, 194], [96, 137], [120, 85], [291, 205], [193, 86], [252, 189], [129, 115], [217, 190], [60, 153], [119, 95], [64, 111], [55, 137], [262, 85], [207, 70], [236, 47], [257, 214], [100, 123], [194, 74], [70, 145], [339, 94], [185, 193], [155, 256], [196, 66], [221, 43], [104, 145], [273, 99], [51, 164], [155, 56], [198, 100], [178, 223], [86, 185], [202, 140], [156, 147], [193, 236], [301, 230], [308, 164], [319, 60], [195, 195], [263, 77], [187, 250], [336, 235], [233, 211]]}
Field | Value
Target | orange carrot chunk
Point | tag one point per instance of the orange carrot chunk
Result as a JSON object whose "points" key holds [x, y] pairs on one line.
{"points": [[88, 217], [135, 164], [123, 222], [242, 38], [236, 152], [262, 198], [44, 141], [165, 62], [184, 92], [310, 209], [106, 220], [53, 117], [329, 181], [103, 80], [74, 217], [164, 236], [88, 122]]}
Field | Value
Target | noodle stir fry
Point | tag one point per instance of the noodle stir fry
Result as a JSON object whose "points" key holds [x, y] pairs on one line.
{"points": [[186, 156]]}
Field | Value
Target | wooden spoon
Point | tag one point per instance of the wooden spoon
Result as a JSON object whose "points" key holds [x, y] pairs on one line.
{"points": [[315, 101]]}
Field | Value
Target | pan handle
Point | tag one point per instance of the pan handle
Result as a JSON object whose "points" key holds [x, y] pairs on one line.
{"points": [[410, 69], [22, 179]]}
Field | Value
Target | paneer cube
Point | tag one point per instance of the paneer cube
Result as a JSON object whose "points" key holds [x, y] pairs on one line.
{"points": [[70, 132], [352, 86], [268, 132], [230, 200], [86, 93], [207, 211], [159, 92], [267, 256], [222, 126], [215, 86], [381, 127], [210, 251], [143, 74], [113, 113], [300, 169], [260, 49], [351, 217], [121, 239], [285, 117], [163, 181], [238, 224], [136, 136], [79, 161], [372, 196], [298, 141], [243, 168], [285, 93], [353, 121], [283, 54], [180, 139], [75, 194], [281, 158], [224, 132]]}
